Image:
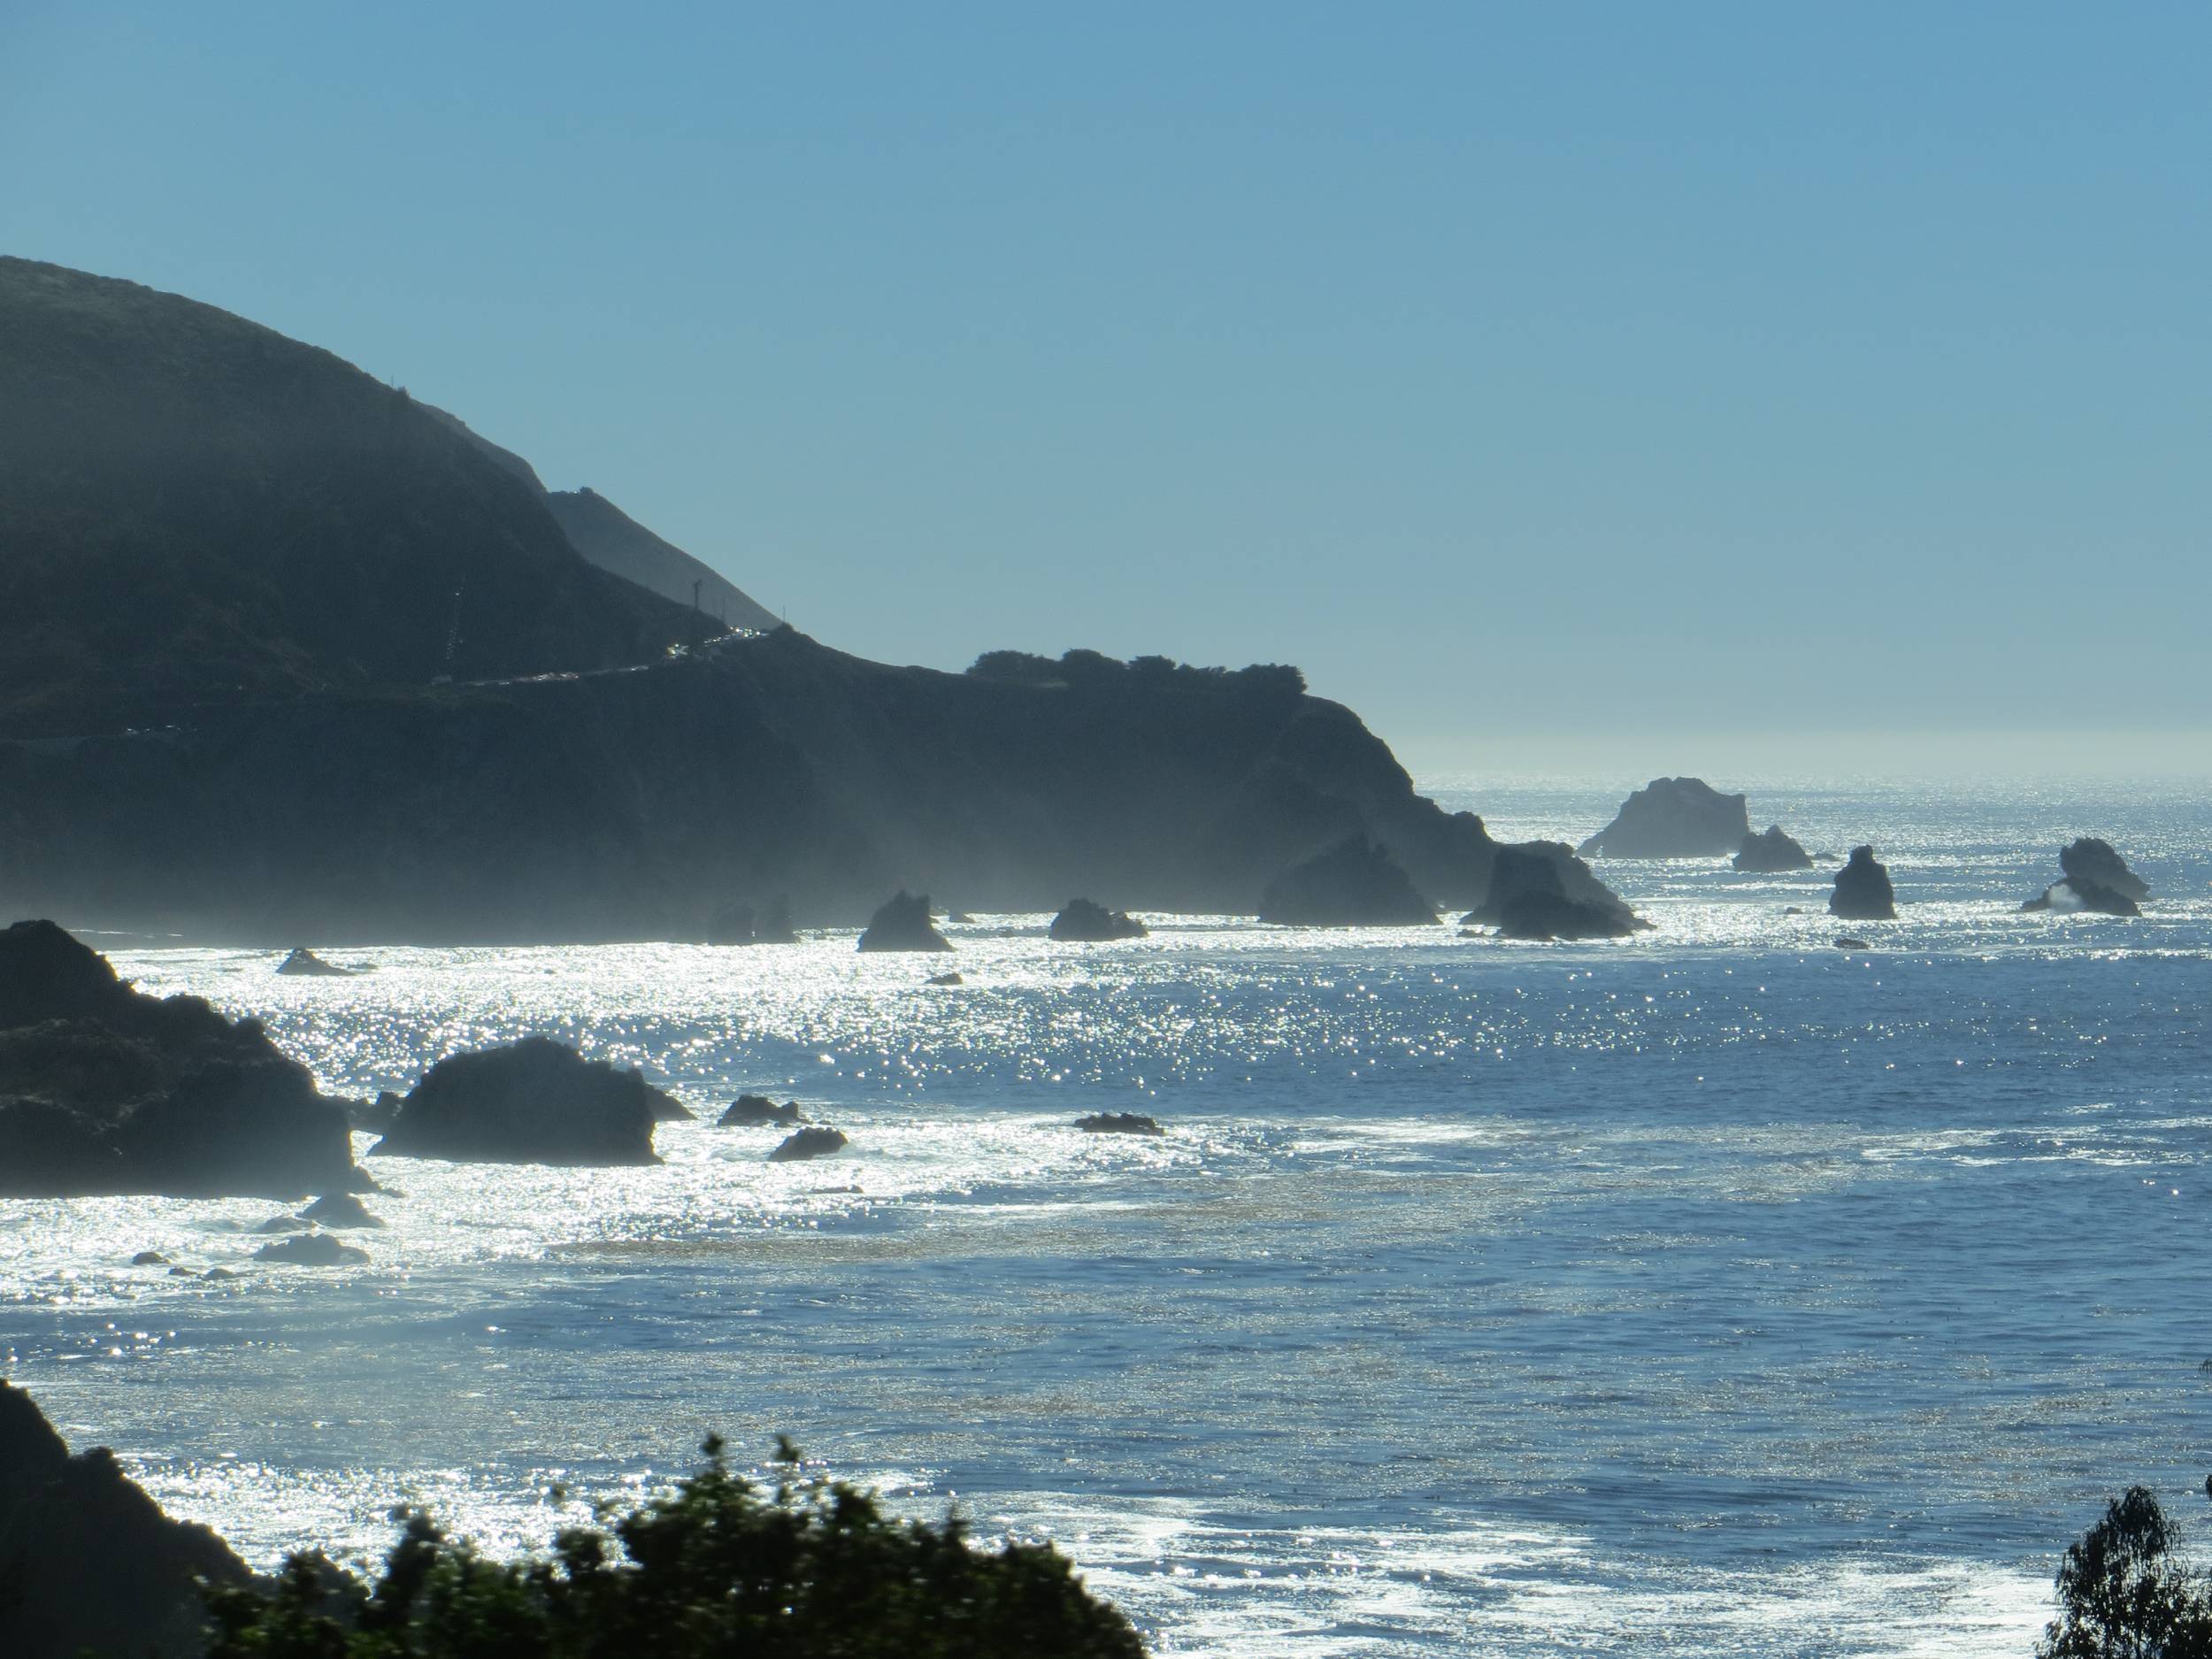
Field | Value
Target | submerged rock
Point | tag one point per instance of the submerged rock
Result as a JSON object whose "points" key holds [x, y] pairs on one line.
{"points": [[1863, 892], [1844, 941], [1672, 818], [306, 963], [1083, 922], [150, 1258], [2089, 859], [285, 1224], [88, 1563], [340, 1209], [1529, 899], [1354, 884], [2078, 894], [105, 1090], [311, 1249], [808, 1143], [903, 924], [1770, 851], [532, 1101], [1120, 1124], [944, 979], [755, 1111]]}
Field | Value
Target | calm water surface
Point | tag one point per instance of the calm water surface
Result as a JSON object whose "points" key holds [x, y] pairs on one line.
{"points": [[1718, 1292]]}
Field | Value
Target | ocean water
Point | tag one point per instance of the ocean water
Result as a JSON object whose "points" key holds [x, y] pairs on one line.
{"points": [[1718, 1292]]}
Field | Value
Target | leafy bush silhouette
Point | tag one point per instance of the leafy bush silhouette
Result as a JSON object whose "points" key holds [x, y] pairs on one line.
{"points": [[714, 1567], [2121, 1596]]}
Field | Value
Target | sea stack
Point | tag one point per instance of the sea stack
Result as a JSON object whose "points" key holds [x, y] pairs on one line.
{"points": [[903, 924], [1528, 899], [2088, 859], [1355, 884], [1770, 852], [532, 1101], [1086, 923], [1672, 818], [1862, 891]]}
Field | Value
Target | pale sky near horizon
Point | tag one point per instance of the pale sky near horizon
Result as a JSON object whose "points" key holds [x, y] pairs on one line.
{"points": [[1628, 378]]}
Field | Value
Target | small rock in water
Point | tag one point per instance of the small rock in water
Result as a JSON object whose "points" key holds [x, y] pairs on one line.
{"points": [[340, 1209], [223, 1272], [311, 1249], [945, 978], [753, 1111], [808, 1143], [182, 1273], [150, 1258], [1844, 941], [303, 961], [285, 1224], [1120, 1124]]}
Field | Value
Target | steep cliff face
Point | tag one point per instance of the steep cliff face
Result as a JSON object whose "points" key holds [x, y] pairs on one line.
{"points": [[197, 510], [613, 541], [634, 805]]}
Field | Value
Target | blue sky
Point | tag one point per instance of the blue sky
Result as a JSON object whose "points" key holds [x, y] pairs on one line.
{"points": [[1641, 377]]}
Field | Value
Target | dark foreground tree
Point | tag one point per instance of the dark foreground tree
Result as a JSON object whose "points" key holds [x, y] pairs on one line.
{"points": [[2121, 1596], [713, 1569]]}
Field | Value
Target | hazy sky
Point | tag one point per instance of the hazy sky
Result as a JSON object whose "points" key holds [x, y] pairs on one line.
{"points": [[1643, 372]]}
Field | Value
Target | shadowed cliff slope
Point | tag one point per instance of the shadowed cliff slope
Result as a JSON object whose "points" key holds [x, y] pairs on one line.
{"points": [[636, 804], [197, 510]]}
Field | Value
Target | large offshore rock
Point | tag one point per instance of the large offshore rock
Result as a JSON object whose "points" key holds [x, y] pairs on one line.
{"points": [[105, 1090], [1672, 818], [2078, 894], [532, 1101], [1862, 891], [903, 922], [1355, 884]]}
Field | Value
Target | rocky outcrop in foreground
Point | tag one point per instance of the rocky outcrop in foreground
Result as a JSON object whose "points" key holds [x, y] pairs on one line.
{"points": [[1355, 884], [105, 1090], [1672, 818], [88, 1562], [1083, 922], [903, 922], [532, 1101], [1863, 892], [1771, 852], [1530, 898], [2090, 859]]}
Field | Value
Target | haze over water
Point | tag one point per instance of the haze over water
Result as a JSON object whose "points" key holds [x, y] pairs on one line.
{"points": [[1717, 1291]]}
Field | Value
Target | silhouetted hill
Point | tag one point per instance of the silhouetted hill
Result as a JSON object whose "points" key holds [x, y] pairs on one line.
{"points": [[367, 680], [613, 541], [610, 539], [195, 510]]}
